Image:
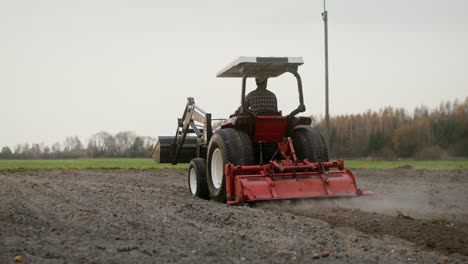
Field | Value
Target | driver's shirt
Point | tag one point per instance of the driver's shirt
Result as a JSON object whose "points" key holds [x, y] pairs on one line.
{"points": [[261, 100]]}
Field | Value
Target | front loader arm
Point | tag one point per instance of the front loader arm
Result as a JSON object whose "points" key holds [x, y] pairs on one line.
{"points": [[190, 122]]}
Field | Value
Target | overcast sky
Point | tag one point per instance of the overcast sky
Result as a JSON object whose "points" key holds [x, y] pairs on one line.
{"points": [[78, 67]]}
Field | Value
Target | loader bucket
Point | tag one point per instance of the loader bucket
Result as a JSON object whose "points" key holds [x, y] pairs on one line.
{"points": [[276, 181], [165, 150]]}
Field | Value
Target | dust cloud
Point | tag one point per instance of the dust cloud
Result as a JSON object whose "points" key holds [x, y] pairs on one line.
{"points": [[415, 193]]}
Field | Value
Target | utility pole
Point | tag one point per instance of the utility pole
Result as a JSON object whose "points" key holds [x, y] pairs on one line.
{"points": [[327, 116]]}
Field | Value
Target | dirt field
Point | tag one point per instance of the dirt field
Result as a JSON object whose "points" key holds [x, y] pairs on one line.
{"points": [[418, 216]]}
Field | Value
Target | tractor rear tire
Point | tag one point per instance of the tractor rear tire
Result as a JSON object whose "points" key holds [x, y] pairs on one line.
{"points": [[226, 146], [197, 179], [309, 144]]}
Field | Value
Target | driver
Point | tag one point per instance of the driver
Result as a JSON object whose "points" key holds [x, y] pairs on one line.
{"points": [[261, 100]]}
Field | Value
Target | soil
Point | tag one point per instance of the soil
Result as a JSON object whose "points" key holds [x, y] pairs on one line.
{"points": [[120, 216]]}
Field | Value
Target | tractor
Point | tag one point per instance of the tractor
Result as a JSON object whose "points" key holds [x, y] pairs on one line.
{"points": [[252, 157]]}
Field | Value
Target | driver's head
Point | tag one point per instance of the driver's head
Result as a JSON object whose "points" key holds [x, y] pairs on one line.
{"points": [[261, 82]]}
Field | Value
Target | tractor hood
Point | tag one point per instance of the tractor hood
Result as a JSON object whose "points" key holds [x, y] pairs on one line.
{"points": [[265, 66]]}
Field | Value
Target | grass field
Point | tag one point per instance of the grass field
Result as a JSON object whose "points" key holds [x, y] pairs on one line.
{"points": [[149, 164], [114, 163]]}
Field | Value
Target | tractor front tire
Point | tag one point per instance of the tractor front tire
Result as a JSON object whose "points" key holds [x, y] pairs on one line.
{"points": [[310, 144], [197, 179], [226, 146]]}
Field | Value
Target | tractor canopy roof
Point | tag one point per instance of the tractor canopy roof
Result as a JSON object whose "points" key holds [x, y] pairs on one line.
{"points": [[261, 66]]}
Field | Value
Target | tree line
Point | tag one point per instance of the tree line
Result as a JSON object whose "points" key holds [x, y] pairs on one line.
{"points": [[389, 133], [100, 145], [395, 133]]}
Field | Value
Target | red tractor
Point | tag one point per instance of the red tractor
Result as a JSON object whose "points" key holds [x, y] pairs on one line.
{"points": [[256, 157]]}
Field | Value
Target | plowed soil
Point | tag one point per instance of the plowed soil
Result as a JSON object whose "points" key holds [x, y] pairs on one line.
{"points": [[119, 216]]}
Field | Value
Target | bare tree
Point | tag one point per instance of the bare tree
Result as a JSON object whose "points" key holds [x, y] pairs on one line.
{"points": [[102, 144], [124, 141], [72, 144], [138, 147], [46, 152], [56, 147], [17, 150], [35, 151]]}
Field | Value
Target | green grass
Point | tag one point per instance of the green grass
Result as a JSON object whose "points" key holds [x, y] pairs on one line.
{"points": [[115, 163], [149, 164], [416, 164]]}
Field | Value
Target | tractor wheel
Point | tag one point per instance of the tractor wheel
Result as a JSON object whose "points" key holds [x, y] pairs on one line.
{"points": [[197, 178], [310, 144], [226, 145], [247, 147]]}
